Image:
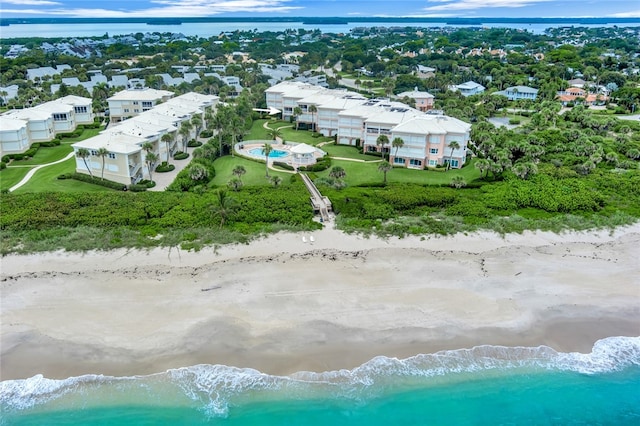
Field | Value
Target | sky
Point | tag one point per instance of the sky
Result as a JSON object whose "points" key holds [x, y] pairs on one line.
{"points": [[342, 8]]}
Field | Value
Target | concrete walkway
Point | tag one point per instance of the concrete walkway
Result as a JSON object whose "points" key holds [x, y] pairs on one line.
{"points": [[163, 180], [33, 171]]}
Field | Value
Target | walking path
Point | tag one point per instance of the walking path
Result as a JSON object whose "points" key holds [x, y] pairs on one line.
{"points": [[33, 171], [319, 202]]}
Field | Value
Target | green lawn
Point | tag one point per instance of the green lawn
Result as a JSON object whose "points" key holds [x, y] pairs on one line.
{"points": [[46, 179], [46, 155], [12, 175], [255, 172], [346, 151], [362, 173], [257, 132], [290, 134]]}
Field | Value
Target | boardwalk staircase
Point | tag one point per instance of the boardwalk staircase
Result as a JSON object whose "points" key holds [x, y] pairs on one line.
{"points": [[320, 203]]}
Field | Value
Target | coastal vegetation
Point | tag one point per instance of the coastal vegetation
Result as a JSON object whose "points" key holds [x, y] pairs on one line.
{"points": [[550, 168]]}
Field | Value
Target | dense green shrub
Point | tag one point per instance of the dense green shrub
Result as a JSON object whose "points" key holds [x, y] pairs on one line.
{"points": [[207, 133], [3, 165], [51, 143], [180, 155], [137, 188], [164, 167], [194, 143], [322, 164]]}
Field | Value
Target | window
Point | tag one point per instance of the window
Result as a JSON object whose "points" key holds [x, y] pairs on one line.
{"points": [[147, 104], [415, 162], [94, 152], [80, 109], [59, 117], [135, 102], [398, 160], [454, 163], [136, 110], [433, 163], [433, 151], [126, 110], [112, 156]]}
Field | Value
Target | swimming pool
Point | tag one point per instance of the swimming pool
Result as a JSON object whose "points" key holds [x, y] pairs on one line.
{"points": [[275, 153]]}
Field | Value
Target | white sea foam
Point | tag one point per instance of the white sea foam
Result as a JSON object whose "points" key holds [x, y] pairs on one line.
{"points": [[213, 387]]}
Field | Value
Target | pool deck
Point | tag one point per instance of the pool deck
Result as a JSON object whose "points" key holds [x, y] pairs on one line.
{"points": [[245, 148]]}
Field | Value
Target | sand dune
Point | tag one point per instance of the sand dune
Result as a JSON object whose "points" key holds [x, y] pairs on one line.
{"points": [[282, 305]]}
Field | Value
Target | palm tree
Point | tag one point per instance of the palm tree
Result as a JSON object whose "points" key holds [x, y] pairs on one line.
{"points": [[196, 122], [198, 172], [337, 172], [483, 165], [237, 129], [235, 184], [167, 138], [185, 132], [224, 206], [453, 145], [84, 154], [266, 150], [397, 143], [458, 182], [382, 141], [275, 180], [313, 110], [384, 167], [102, 153], [297, 112], [239, 171], [151, 159], [274, 134], [219, 122]]}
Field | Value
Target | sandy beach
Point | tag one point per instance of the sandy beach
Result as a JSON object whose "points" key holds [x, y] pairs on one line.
{"points": [[282, 305]]}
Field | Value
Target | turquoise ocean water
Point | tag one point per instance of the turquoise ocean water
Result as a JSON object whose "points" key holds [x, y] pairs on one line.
{"points": [[486, 385]]}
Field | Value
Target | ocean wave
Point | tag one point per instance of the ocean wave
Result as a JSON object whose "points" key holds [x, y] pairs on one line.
{"points": [[212, 388]]}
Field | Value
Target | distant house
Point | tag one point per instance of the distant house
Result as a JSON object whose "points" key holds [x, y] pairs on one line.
{"points": [[424, 100], [425, 72], [518, 93], [468, 89], [41, 72], [578, 95]]}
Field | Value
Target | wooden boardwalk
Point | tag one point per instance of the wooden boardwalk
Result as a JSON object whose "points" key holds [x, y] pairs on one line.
{"points": [[320, 203]]}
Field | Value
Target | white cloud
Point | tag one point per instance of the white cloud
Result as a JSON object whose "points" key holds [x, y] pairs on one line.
{"points": [[32, 2], [169, 9], [630, 14], [480, 4]]}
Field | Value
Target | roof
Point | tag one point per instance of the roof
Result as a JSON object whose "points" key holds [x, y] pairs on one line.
{"points": [[28, 114], [114, 142], [416, 94], [146, 94], [521, 89], [12, 124], [432, 124], [469, 85], [303, 148]]}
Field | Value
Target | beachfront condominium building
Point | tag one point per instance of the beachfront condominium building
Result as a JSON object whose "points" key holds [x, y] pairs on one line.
{"points": [[131, 102], [43, 122], [428, 139], [127, 142]]}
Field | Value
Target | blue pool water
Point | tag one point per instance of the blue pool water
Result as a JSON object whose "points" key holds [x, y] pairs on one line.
{"points": [[275, 153], [486, 385]]}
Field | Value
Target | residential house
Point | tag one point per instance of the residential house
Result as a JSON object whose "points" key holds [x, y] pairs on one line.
{"points": [[581, 96], [468, 88], [424, 100], [517, 93]]}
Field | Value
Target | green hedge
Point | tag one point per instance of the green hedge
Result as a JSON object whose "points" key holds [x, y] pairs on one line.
{"points": [[97, 181], [322, 164], [283, 165], [194, 143], [180, 155]]}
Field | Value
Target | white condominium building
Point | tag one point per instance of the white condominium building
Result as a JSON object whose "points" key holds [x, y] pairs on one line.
{"points": [[428, 140], [131, 102]]}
